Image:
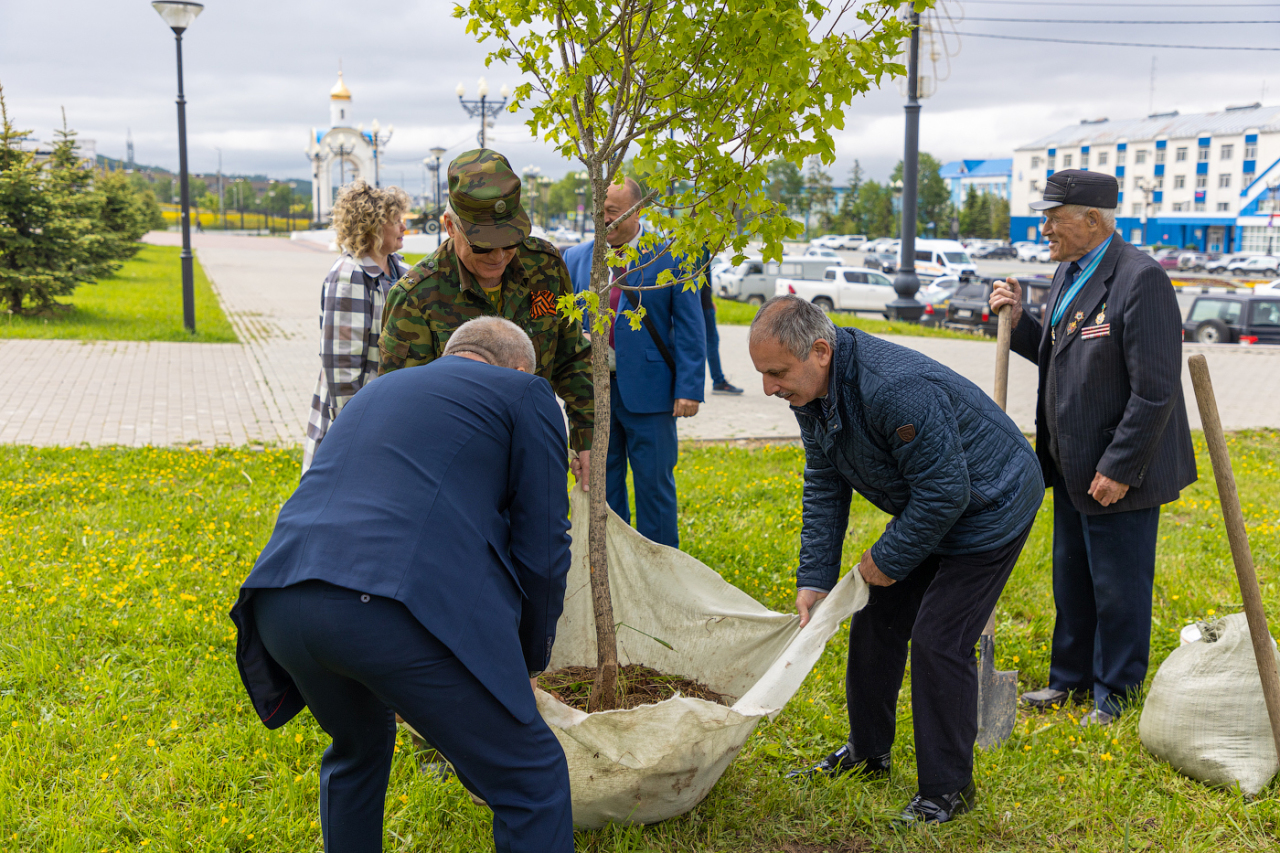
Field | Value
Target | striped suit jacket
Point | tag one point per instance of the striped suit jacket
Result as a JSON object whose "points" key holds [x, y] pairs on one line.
{"points": [[1117, 367]]}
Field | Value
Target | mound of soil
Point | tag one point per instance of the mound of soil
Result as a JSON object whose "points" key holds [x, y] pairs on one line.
{"points": [[640, 686]]}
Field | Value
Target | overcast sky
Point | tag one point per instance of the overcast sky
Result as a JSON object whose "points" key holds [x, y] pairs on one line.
{"points": [[258, 73]]}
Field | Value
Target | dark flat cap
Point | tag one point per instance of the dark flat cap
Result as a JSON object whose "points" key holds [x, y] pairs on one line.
{"points": [[1075, 186]]}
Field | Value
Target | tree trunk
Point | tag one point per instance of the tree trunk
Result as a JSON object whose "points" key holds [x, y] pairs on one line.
{"points": [[604, 690]]}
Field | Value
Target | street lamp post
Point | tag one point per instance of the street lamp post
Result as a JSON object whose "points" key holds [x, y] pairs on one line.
{"points": [[482, 108], [530, 180], [436, 153], [581, 193], [179, 16], [313, 154], [906, 284], [379, 140]]}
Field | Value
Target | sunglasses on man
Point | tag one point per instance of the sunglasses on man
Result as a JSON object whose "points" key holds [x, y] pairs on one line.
{"points": [[477, 250]]}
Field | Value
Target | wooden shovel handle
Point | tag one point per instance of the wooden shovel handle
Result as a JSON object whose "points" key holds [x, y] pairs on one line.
{"points": [[1239, 539], [1004, 334]]}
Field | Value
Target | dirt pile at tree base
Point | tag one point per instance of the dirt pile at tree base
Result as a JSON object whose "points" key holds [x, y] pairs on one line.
{"points": [[640, 685]]}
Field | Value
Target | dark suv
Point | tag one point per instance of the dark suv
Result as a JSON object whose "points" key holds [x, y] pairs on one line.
{"points": [[1234, 318], [968, 309]]}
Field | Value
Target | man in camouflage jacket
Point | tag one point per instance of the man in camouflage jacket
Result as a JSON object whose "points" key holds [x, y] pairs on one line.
{"points": [[490, 265]]}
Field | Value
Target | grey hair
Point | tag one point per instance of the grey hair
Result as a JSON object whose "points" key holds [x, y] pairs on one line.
{"points": [[499, 342], [1078, 211], [794, 323]]}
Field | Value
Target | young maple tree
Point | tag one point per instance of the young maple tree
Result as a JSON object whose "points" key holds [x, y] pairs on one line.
{"points": [[701, 95]]}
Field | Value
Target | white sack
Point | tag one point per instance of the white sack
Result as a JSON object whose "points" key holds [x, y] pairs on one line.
{"points": [[1206, 715], [657, 761]]}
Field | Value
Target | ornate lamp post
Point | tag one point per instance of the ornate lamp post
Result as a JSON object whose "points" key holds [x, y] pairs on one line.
{"points": [[434, 166], [906, 284], [179, 16], [544, 190], [379, 140], [529, 181], [317, 159], [482, 108]]}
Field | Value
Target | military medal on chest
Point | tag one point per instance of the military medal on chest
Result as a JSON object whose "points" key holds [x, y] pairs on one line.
{"points": [[1075, 321]]}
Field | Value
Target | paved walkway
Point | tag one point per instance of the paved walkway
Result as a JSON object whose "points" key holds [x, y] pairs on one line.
{"points": [[131, 393]]}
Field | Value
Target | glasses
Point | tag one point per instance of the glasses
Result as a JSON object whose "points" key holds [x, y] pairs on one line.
{"points": [[477, 250]]}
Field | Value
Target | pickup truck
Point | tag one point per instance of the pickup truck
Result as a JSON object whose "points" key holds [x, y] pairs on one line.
{"points": [[842, 289]]}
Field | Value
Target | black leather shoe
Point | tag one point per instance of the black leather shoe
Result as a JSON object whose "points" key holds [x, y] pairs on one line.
{"points": [[841, 763], [938, 809]]}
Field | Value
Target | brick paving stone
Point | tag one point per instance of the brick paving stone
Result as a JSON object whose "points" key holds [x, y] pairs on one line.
{"points": [[137, 393]]}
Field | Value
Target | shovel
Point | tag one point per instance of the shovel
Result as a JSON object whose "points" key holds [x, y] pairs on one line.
{"points": [[1238, 537], [997, 689]]}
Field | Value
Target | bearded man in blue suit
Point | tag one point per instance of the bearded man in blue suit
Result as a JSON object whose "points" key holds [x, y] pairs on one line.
{"points": [[656, 370]]}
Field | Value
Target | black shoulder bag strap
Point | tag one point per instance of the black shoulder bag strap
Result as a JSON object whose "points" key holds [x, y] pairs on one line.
{"points": [[653, 333]]}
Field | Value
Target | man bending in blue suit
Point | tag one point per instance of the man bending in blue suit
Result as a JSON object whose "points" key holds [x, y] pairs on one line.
{"points": [[419, 569], [659, 370]]}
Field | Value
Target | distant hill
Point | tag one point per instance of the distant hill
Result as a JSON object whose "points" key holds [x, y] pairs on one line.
{"points": [[159, 174]]}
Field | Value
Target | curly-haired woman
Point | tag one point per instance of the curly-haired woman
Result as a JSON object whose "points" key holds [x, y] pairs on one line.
{"points": [[369, 224]]}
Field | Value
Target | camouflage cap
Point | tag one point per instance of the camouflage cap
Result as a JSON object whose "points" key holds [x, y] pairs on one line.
{"points": [[484, 192]]}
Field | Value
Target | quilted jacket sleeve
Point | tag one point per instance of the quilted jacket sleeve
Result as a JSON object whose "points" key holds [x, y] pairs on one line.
{"points": [[917, 422], [825, 515]]}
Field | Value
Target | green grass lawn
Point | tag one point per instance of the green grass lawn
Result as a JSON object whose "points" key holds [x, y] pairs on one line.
{"points": [[123, 724], [141, 302]]}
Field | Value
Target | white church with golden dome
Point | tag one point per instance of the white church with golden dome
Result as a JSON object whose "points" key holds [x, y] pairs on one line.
{"points": [[342, 153]]}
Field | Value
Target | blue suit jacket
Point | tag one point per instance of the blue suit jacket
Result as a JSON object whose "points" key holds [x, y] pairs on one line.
{"points": [[443, 487], [644, 380]]}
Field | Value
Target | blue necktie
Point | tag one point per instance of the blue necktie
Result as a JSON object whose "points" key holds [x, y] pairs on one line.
{"points": [[1072, 272]]}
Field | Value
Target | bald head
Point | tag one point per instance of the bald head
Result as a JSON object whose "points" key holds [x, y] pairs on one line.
{"points": [[495, 341]]}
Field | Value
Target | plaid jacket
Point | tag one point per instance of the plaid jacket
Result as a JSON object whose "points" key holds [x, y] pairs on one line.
{"points": [[351, 303]]}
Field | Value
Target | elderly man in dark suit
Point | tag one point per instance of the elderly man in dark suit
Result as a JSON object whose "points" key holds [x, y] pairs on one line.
{"points": [[420, 569], [659, 369], [1111, 434]]}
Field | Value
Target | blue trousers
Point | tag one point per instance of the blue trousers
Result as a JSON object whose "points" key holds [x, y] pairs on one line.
{"points": [[358, 660], [647, 443], [713, 346], [1103, 570]]}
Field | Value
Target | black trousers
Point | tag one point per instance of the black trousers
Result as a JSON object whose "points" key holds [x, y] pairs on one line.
{"points": [[1103, 569], [359, 658], [940, 609]]}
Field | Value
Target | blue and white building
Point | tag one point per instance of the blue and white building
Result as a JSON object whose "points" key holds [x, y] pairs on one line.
{"points": [[1209, 179], [985, 176]]}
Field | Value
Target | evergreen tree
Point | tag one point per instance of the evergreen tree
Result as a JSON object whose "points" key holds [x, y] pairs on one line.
{"points": [[999, 218], [46, 219], [933, 197], [786, 186], [821, 192]]}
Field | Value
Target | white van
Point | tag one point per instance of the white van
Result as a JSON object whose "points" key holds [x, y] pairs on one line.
{"points": [[752, 281], [936, 258]]}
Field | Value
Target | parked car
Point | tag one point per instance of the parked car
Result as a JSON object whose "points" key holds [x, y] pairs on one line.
{"points": [[1258, 265], [880, 244], [1042, 256], [886, 262], [752, 281], [852, 242], [1192, 261], [1269, 287], [967, 309], [821, 252], [1167, 258], [842, 289], [995, 252], [826, 241], [1229, 318], [1219, 265], [565, 235], [1027, 251]]}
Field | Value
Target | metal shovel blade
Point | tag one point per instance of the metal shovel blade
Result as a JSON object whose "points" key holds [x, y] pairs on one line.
{"points": [[997, 697]]}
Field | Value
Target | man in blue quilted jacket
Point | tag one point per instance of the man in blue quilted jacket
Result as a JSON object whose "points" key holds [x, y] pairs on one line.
{"points": [[963, 485]]}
